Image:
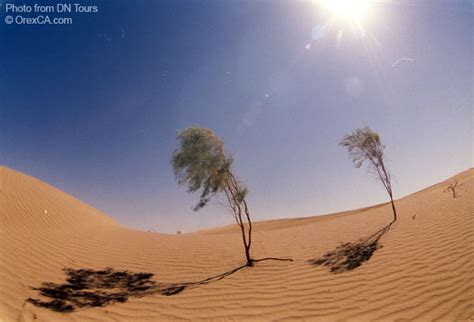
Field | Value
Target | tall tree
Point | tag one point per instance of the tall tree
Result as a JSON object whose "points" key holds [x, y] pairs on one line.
{"points": [[365, 145], [201, 163]]}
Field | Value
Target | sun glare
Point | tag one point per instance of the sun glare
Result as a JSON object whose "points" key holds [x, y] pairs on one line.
{"points": [[354, 10]]}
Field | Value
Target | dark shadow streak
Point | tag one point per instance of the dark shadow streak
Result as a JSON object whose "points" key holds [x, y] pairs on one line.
{"points": [[349, 256], [85, 288]]}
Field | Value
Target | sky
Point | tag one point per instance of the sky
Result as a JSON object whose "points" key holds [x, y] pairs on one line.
{"points": [[93, 107]]}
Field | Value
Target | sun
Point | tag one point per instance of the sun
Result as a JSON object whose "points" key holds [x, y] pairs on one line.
{"points": [[354, 10]]}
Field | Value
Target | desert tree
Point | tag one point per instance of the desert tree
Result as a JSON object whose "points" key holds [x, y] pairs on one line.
{"points": [[201, 163], [452, 188], [364, 145]]}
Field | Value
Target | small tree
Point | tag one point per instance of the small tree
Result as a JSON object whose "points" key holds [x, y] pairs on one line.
{"points": [[202, 164], [365, 145], [452, 187]]}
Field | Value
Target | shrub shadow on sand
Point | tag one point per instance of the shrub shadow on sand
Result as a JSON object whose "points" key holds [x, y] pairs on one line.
{"points": [[349, 256], [85, 288], [92, 288]]}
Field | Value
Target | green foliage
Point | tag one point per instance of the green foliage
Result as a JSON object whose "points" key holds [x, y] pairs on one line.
{"points": [[241, 194], [364, 144], [201, 163]]}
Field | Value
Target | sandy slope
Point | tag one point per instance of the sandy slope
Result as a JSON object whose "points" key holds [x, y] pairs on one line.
{"points": [[423, 272]]}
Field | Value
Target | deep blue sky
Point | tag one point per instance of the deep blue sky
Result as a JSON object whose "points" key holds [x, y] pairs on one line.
{"points": [[92, 108]]}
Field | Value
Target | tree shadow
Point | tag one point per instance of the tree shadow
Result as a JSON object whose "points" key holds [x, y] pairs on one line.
{"points": [[173, 289], [92, 288], [349, 256], [85, 288]]}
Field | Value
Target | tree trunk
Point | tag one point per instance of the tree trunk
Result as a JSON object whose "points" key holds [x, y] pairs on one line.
{"points": [[244, 240], [247, 255], [246, 245], [393, 208], [246, 209]]}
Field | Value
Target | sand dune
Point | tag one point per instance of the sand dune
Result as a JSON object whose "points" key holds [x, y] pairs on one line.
{"points": [[423, 271]]}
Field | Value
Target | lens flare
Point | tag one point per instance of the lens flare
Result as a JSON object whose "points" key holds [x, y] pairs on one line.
{"points": [[355, 10]]}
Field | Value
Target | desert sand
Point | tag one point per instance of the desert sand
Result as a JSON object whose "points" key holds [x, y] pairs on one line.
{"points": [[423, 272]]}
